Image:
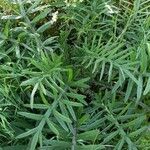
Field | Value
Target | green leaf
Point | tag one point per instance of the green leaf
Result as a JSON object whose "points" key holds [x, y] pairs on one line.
{"points": [[148, 49], [96, 65], [147, 88], [89, 135], [94, 124], [110, 136], [138, 132], [44, 27], [131, 76], [110, 71], [120, 144], [31, 81], [17, 147], [43, 98], [23, 135], [144, 62], [32, 94], [80, 83], [135, 123], [49, 41], [51, 86], [139, 89], [84, 119], [31, 115], [70, 109], [62, 117], [59, 144], [129, 116], [70, 74], [131, 145], [136, 5], [42, 15], [129, 90], [116, 86], [79, 97], [91, 147], [34, 141], [42, 88], [52, 127], [62, 123], [102, 70], [17, 48], [7, 28], [10, 17], [67, 102], [37, 106], [34, 6]]}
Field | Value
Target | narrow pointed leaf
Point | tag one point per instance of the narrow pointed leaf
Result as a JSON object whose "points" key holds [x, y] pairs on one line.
{"points": [[23, 135], [31, 115], [52, 127], [147, 88], [62, 117], [32, 94]]}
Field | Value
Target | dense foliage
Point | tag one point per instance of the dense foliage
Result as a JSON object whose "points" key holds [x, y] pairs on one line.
{"points": [[74, 75]]}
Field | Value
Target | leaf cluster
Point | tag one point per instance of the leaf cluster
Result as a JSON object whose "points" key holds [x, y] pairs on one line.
{"points": [[74, 75]]}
